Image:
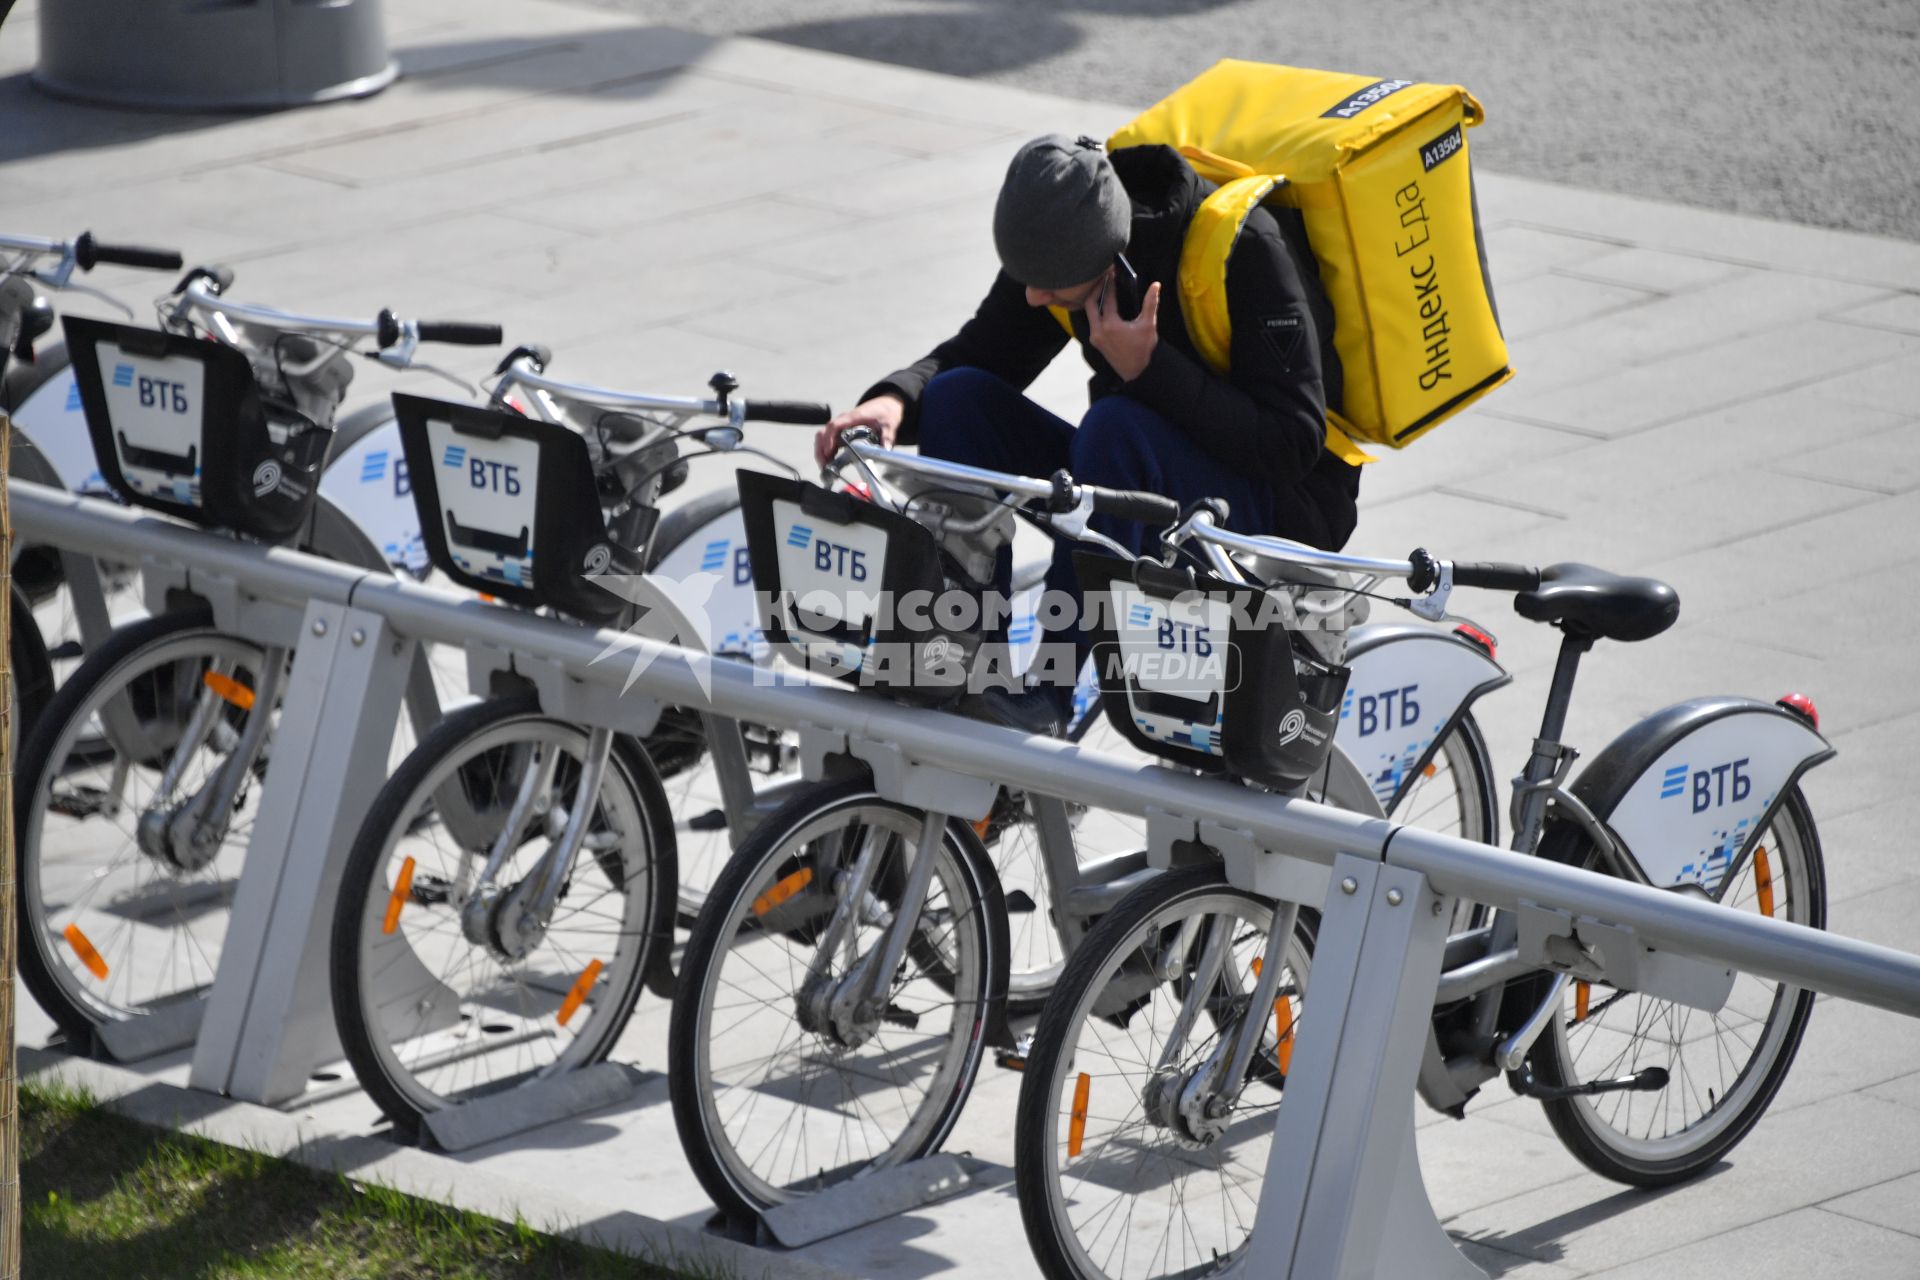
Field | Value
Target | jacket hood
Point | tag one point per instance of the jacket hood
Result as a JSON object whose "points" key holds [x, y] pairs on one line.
{"points": [[1166, 193]]}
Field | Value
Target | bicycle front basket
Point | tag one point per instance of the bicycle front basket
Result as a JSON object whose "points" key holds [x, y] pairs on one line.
{"points": [[508, 507], [179, 426], [847, 587], [1202, 672]]}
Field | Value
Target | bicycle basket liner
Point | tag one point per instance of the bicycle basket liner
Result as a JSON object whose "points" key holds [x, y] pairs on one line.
{"points": [[1193, 669], [507, 506], [836, 584], [179, 426]]}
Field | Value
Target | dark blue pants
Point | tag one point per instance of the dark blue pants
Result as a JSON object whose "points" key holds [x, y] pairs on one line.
{"points": [[970, 416]]}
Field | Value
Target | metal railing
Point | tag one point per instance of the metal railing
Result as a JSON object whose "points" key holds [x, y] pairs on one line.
{"points": [[1343, 1197]]}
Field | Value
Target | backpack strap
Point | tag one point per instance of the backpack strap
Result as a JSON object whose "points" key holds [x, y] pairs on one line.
{"points": [[1211, 235]]}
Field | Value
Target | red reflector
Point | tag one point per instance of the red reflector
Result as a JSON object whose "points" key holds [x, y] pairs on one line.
{"points": [[1484, 639], [1801, 705], [860, 491]]}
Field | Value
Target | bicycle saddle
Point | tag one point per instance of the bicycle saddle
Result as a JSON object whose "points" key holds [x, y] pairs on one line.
{"points": [[1593, 602]]}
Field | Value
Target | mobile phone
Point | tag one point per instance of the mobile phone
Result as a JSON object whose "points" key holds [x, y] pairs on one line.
{"points": [[1126, 288]]}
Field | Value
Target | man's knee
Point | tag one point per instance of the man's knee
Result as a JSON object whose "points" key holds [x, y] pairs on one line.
{"points": [[1118, 443], [951, 408]]}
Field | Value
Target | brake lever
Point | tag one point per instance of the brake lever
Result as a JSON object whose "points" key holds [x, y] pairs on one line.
{"points": [[74, 286]]}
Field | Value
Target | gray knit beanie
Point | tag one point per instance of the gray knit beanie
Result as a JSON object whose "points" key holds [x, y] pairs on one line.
{"points": [[1062, 213]]}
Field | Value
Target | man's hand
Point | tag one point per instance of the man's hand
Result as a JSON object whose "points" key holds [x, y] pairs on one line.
{"points": [[1127, 344], [883, 413]]}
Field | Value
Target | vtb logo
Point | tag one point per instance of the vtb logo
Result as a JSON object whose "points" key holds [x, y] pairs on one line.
{"points": [[1711, 787]]}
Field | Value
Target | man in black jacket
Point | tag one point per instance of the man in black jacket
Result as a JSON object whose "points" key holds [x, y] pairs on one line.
{"points": [[1160, 418]]}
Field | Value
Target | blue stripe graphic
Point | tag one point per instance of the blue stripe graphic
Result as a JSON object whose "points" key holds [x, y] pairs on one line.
{"points": [[1140, 615], [1674, 783], [73, 397], [456, 456], [123, 375], [799, 535], [373, 466], [714, 557]]}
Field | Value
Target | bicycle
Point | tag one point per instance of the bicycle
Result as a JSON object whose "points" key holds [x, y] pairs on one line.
{"points": [[842, 868], [141, 781], [49, 446], [1146, 1114], [472, 956]]}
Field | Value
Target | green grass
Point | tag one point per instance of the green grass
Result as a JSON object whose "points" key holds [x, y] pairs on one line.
{"points": [[105, 1196]]}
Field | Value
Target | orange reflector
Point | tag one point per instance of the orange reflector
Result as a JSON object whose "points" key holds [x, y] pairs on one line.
{"points": [[1432, 768], [1282, 1026], [578, 995], [786, 888], [1283, 1030], [84, 949], [1582, 1000], [402, 886], [1077, 1122], [980, 827], [1763, 879], [229, 689]]}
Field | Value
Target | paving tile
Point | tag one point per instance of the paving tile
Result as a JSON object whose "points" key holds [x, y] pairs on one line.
{"points": [[1517, 253], [954, 238], [1894, 1204], [1747, 303], [1788, 1161], [1467, 448], [1470, 1163], [1893, 385], [927, 139], [972, 174], [1653, 270], [1878, 261], [1808, 1242], [1729, 372], [1900, 311], [1902, 1089], [1544, 303], [1886, 461], [1848, 1048]]}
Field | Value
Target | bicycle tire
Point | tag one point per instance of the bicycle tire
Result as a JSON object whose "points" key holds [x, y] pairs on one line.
{"points": [[1058, 1049], [964, 873], [39, 965], [1661, 1162], [391, 818]]}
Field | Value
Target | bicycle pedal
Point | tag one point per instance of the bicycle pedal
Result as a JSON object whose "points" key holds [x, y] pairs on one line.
{"points": [[1015, 1059], [1648, 1080], [78, 802], [899, 1017], [66, 651], [1020, 903], [711, 820]]}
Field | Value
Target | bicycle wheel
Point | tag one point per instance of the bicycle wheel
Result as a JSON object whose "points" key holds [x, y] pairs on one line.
{"points": [[438, 993], [119, 920], [1723, 1068], [702, 834], [1455, 794], [774, 1098], [29, 670], [1121, 1173]]}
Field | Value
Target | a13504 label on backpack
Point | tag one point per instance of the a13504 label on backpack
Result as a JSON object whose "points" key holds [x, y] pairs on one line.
{"points": [[1442, 148], [1365, 98]]}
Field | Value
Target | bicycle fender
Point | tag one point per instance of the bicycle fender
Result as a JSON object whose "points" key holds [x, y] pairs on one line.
{"points": [[1689, 789], [1410, 686], [714, 556]]}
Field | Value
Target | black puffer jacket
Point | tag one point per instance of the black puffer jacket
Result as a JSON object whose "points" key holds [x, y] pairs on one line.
{"points": [[1266, 416]]}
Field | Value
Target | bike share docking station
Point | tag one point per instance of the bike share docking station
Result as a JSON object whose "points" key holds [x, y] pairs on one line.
{"points": [[1343, 1195]]}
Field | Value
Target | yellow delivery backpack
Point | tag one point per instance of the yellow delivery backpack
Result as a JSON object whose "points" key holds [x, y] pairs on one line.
{"points": [[1379, 172]]}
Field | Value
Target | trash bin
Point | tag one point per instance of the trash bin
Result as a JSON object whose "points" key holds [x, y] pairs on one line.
{"points": [[235, 54]]}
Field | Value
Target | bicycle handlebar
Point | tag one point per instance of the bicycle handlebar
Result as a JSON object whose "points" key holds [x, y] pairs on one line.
{"points": [[1496, 576], [461, 333], [87, 252], [801, 413], [1133, 504]]}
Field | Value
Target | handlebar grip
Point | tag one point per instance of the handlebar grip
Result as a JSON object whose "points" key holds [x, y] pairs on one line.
{"points": [[88, 253], [461, 333], [802, 413], [1132, 504], [1495, 576]]}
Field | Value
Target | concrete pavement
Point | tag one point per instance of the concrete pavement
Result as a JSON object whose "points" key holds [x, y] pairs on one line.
{"points": [[1726, 403]]}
